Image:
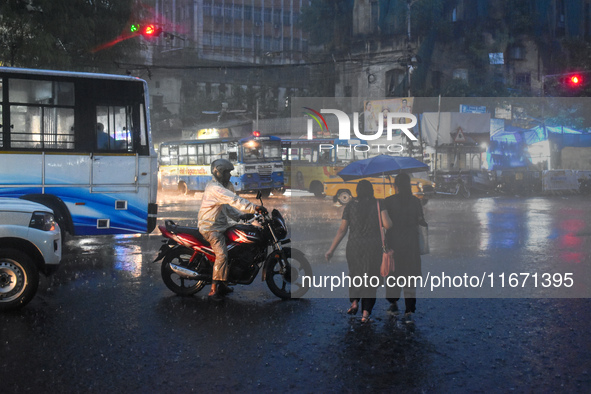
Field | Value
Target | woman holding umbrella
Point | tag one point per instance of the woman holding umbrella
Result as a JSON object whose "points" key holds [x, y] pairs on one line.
{"points": [[364, 246], [406, 213]]}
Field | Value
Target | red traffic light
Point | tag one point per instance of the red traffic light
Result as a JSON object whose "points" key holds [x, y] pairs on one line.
{"points": [[575, 80], [151, 31]]}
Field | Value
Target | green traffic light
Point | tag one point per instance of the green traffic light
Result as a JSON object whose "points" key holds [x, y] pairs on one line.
{"points": [[134, 28]]}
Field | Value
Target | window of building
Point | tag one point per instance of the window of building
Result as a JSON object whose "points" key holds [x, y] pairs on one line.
{"points": [[207, 8], [217, 39], [276, 44], [460, 73], [217, 9], [374, 16], [393, 79], [268, 15], [257, 14], [237, 41], [277, 17], [267, 43], [237, 11], [207, 38], [523, 79], [286, 18], [247, 12], [247, 42]]}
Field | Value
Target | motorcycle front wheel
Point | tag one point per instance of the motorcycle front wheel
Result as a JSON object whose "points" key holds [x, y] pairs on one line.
{"points": [[177, 284], [285, 280]]}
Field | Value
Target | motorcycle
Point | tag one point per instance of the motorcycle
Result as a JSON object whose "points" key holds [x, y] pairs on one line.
{"points": [[188, 259], [453, 187]]}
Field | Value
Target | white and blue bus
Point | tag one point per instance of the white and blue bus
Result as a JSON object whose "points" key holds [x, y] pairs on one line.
{"points": [[185, 165], [80, 144]]}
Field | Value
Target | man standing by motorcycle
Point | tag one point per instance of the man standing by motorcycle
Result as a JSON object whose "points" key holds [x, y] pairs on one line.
{"points": [[220, 202]]}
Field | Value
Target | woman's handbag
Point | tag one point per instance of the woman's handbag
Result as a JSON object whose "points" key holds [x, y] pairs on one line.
{"points": [[424, 239], [388, 265]]}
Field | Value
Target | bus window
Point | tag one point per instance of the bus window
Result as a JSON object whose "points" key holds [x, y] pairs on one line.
{"points": [[192, 152], [42, 114], [164, 155], [307, 155], [183, 159], [294, 154], [272, 150], [325, 156], [215, 151], [174, 155], [200, 158], [117, 123]]}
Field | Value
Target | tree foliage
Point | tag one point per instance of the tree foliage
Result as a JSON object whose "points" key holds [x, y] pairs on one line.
{"points": [[63, 34]]}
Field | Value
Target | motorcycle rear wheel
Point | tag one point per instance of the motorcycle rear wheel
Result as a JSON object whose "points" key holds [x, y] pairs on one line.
{"points": [[286, 282], [177, 284]]}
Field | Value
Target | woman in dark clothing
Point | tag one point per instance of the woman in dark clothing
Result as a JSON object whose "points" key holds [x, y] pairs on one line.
{"points": [[364, 246], [405, 212]]}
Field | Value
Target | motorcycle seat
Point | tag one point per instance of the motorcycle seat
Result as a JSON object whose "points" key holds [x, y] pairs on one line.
{"points": [[192, 231]]}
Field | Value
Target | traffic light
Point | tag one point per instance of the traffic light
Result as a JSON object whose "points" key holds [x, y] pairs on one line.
{"points": [[575, 80], [148, 30]]}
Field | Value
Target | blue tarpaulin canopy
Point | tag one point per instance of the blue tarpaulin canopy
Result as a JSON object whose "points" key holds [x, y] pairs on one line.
{"points": [[562, 136]]}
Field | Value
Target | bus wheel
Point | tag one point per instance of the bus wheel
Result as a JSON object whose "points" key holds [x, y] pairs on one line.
{"points": [[279, 191], [317, 188], [265, 193], [184, 189], [344, 197]]}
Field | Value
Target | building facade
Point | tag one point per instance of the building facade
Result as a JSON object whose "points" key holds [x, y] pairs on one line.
{"points": [[248, 54]]}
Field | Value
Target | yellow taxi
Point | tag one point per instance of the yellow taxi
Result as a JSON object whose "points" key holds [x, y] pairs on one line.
{"points": [[383, 186]]}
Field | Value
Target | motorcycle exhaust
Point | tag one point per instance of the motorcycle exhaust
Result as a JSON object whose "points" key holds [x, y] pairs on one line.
{"points": [[186, 273]]}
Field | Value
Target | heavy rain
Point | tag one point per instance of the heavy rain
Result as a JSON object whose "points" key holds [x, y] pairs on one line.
{"points": [[105, 321]]}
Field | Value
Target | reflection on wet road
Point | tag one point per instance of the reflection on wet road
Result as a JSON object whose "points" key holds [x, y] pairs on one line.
{"points": [[106, 322]]}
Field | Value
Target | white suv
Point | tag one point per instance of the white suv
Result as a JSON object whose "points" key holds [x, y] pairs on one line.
{"points": [[30, 242]]}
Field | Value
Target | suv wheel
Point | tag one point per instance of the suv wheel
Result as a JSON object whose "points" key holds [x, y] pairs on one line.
{"points": [[19, 279]]}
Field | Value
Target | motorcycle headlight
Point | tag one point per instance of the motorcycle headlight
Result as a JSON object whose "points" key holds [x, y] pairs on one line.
{"points": [[279, 225]]}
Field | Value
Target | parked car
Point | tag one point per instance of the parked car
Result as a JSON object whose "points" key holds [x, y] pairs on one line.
{"points": [[30, 243], [383, 187]]}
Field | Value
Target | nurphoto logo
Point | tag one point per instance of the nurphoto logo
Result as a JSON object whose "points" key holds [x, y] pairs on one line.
{"points": [[345, 124]]}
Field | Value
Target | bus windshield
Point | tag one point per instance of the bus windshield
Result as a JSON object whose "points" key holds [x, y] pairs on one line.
{"points": [[253, 150]]}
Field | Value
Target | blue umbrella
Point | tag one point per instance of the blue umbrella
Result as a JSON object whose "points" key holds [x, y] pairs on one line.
{"points": [[381, 165]]}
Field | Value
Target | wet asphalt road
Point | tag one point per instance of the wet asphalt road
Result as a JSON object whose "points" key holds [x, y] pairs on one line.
{"points": [[106, 322]]}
